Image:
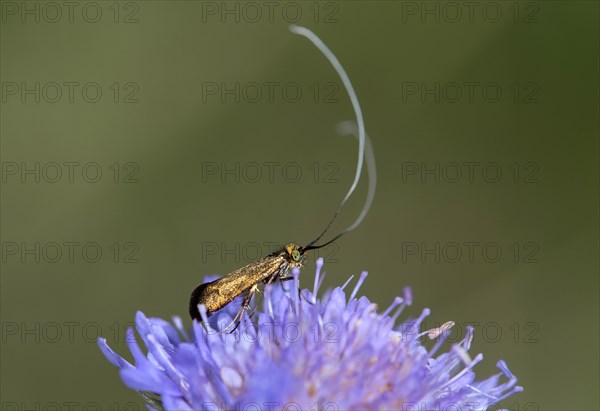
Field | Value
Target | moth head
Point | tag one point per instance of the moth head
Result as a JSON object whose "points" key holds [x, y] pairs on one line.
{"points": [[295, 255]]}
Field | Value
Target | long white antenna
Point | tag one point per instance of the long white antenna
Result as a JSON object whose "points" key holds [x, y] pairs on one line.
{"points": [[302, 31], [349, 127]]}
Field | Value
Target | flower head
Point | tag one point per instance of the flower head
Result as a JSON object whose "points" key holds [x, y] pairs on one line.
{"points": [[302, 352]]}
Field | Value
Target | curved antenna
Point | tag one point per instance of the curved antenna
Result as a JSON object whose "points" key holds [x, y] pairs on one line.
{"points": [[302, 31], [345, 128]]}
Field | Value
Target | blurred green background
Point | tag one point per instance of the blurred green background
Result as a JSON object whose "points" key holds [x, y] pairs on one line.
{"points": [[165, 122]]}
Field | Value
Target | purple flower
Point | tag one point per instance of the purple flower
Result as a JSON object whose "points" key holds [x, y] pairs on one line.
{"points": [[301, 352]]}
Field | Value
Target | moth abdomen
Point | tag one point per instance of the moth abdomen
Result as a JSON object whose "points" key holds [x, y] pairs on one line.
{"points": [[212, 296], [198, 296]]}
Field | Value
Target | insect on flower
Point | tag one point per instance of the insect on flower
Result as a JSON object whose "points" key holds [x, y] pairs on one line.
{"points": [[245, 280]]}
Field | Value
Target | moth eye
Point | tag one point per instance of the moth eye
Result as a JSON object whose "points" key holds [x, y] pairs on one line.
{"points": [[296, 255]]}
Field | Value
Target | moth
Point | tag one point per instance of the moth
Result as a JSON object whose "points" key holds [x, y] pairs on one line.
{"points": [[276, 266]]}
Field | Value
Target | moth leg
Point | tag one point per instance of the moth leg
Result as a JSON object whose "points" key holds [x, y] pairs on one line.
{"points": [[290, 277], [270, 280], [240, 314], [286, 278], [282, 279], [237, 320], [303, 296], [234, 321]]}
